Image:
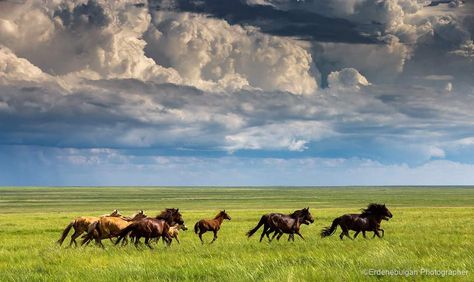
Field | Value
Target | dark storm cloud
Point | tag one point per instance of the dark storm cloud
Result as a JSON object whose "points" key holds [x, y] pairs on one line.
{"points": [[89, 14], [297, 23]]}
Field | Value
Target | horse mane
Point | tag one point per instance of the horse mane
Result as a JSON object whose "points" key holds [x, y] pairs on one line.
{"points": [[220, 214], [166, 214], [297, 213], [373, 209]]}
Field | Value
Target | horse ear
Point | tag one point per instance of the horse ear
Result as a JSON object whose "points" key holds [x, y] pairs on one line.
{"points": [[224, 210], [177, 210]]}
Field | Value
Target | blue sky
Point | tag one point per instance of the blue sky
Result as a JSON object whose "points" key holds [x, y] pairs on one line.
{"points": [[246, 92]]}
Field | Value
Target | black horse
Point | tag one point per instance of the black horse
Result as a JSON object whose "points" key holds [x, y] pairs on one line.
{"points": [[282, 223], [368, 220]]}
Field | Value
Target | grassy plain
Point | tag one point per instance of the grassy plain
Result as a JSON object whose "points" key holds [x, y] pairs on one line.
{"points": [[432, 228]]}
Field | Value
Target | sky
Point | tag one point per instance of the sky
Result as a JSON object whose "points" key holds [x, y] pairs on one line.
{"points": [[236, 92]]}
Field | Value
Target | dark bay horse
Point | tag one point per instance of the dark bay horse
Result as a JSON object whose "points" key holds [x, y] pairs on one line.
{"points": [[368, 220], [150, 228], [282, 223], [297, 226], [204, 225], [80, 225]]}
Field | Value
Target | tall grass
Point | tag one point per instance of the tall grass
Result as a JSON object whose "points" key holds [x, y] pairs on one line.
{"points": [[431, 228]]}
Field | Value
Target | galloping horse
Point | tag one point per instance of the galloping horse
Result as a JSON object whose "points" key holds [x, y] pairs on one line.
{"points": [[282, 223], [150, 228], [204, 225], [174, 231], [368, 220], [278, 234], [81, 225], [109, 227]]}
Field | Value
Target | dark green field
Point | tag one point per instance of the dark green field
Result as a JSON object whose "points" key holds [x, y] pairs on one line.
{"points": [[432, 229]]}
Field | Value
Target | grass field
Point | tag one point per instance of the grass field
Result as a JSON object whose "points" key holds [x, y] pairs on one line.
{"points": [[432, 228]]}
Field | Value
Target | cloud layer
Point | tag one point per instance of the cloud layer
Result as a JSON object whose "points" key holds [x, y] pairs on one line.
{"points": [[195, 81]]}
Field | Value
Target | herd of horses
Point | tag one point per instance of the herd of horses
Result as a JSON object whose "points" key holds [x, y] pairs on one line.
{"points": [[168, 223]]}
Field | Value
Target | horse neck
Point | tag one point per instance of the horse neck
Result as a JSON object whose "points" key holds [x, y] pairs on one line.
{"points": [[166, 217], [219, 218], [297, 223], [377, 219]]}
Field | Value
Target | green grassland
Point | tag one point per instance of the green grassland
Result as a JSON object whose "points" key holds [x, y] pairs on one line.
{"points": [[432, 228]]}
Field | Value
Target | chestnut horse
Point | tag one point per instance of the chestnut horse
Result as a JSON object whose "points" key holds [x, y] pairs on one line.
{"points": [[204, 225], [109, 227], [368, 220], [150, 228], [282, 223], [81, 225]]}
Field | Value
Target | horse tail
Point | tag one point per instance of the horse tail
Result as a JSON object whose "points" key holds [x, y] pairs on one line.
{"points": [[65, 232], [328, 231], [262, 221], [124, 233], [196, 227]]}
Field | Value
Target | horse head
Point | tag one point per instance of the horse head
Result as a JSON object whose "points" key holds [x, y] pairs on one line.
{"points": [[377, 210], [114, 213], [172, 216], [139, 215], [224, 215], [304, 216]]}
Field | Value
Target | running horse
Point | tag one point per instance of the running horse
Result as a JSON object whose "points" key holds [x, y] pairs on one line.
{"points": [[214, 225], [369, 220], [282, 223], [81, 224], [150, 228], [109, 227]]}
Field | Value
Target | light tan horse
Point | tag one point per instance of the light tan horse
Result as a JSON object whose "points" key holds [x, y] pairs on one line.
{"points": [[81, 225], [174, 231], [109, 227]]}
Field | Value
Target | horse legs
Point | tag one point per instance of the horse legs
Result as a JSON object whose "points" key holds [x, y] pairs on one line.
{"points": [[376, 232], [200, 236], [98, 242], [137, 241], [357, 233], [383, 232], [274, 234], [363, 234], [268, 232], [147, 242], [345, 232], [264, 232], [73, 238], [215, 236], [299, 234], [177, 239]]}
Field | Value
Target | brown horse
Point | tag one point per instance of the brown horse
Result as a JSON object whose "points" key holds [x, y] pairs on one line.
{"points": [[81, 225], [368, 220], [213, 225], [109, 227], [150, 228], [282, 223]]}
